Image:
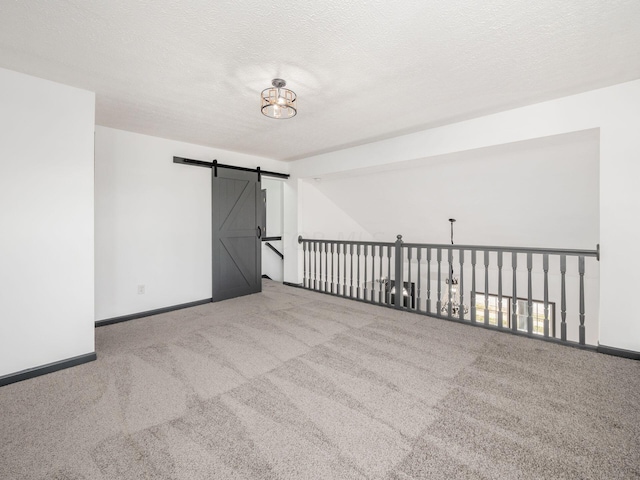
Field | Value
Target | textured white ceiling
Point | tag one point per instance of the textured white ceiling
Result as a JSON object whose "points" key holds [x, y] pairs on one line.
{"points": [[363, 70]]}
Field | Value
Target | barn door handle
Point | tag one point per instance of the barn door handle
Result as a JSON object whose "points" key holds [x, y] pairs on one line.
{"points": [[259, 232]]}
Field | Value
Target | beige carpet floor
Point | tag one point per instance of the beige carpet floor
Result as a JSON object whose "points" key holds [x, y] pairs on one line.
{"points": [[291, 384]]}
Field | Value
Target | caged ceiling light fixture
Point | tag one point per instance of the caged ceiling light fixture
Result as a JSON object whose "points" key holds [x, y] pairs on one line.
{"points": [[279, 102]]}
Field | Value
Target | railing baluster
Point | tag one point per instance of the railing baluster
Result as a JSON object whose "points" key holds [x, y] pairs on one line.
{"points": [[358, 271], [529, 294], [304, 264], [344, 271], [514, 304], [372, 291], [473, 286], [450, 282], [563, 297], [439, 301], [388, 292], [372, 287], [338, 248], [419, 258], [581, 272], [545, 268], [350, 270], [428, 306], [461, 285], [486, 287], [315, 274], [380, 284], [332, 271], [319, 266], [409, 277], [399, 281], [320, 271], [326, 267], [366, 249], [500, 319]]}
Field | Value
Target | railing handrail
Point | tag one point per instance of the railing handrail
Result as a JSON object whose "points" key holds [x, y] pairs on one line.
{"points": [[448, 246], [274, 249], [344, 242]]}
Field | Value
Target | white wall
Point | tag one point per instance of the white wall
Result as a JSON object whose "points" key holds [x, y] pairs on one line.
{"points": [[502, 195], [615, 111], [310, 213], [153, 221], [321, 217], [46, 213], [292, 267]]}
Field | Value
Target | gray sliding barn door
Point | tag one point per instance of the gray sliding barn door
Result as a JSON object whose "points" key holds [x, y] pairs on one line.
{"points": [[236, 217]]}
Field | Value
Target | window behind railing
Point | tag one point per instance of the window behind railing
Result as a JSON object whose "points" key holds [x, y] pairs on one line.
{"points": [[491, 310]]}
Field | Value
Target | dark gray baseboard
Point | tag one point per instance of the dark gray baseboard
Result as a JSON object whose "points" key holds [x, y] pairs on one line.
{"points": [[44, 369], [289, 284], [618, 352], [148, 313]]}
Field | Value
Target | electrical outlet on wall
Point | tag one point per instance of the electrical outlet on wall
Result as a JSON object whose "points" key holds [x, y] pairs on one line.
{"points": [[140, 289]]}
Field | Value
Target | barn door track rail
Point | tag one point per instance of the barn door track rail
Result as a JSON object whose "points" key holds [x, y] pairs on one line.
{"points": [[215, 165]]}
